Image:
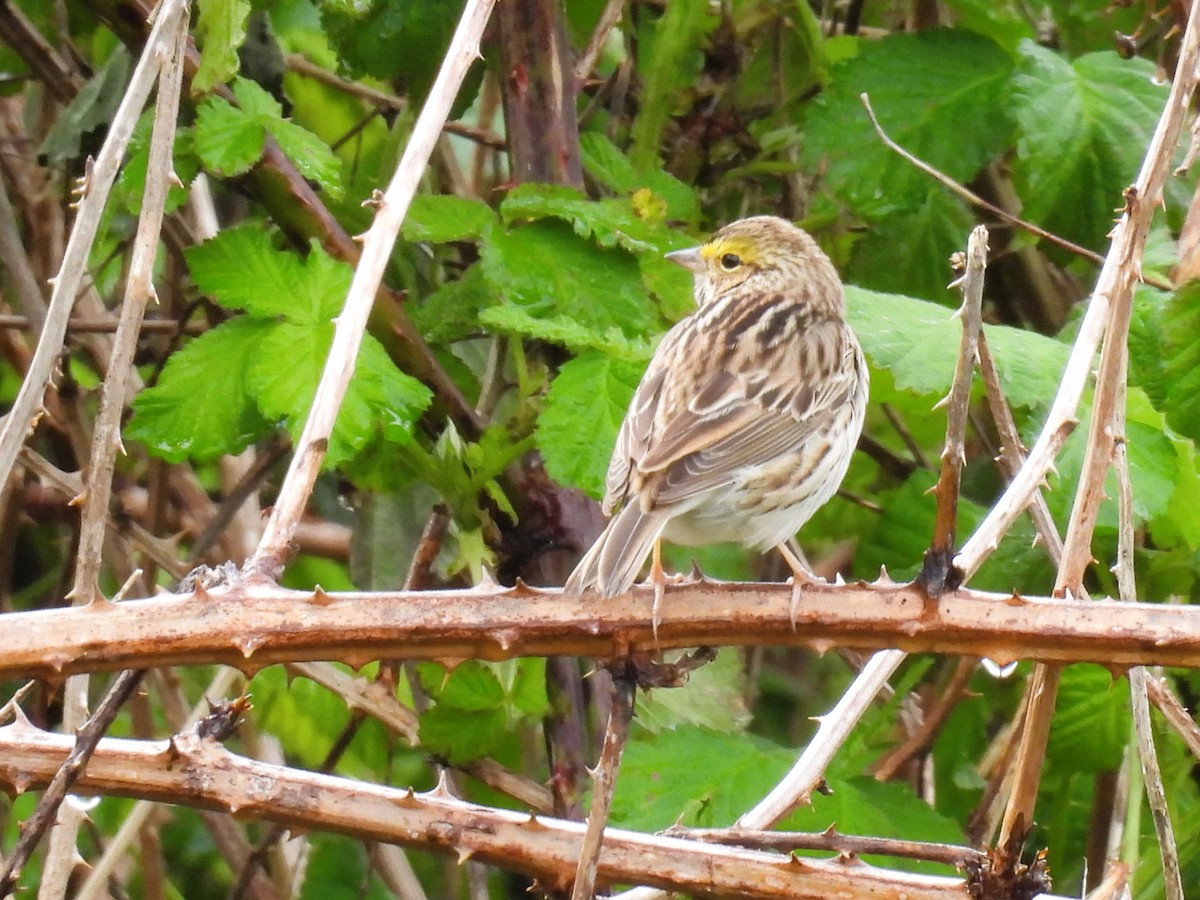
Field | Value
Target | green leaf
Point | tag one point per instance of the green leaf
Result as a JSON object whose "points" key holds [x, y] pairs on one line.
{"points": [[220, 31], [635, 224], [578, 425], [901, 535], [565, 332], [588, 218], [610, 167], [93, 107], [256, 101], [285, 374], [940, 94], [1183, 509], [311, 156], [471, 685], [396, 41], [786, 51], [669, 63], [131, 183], [657, 787], [200, 408], [441, 218], [1091, 722], [910, 252], [1154, 463], [241, 269], [1082, 129], [325, 282], [528, 691], [307, 718], [1079, 30], [610, 223], [1148, 351], [337, 868], [284, 380], [1005, 23], [395, 400], [715, 698], [1154, 466], [228, 141], [1180, 377], [451, 313], [550, 271], [918, 343], [460, 735]]}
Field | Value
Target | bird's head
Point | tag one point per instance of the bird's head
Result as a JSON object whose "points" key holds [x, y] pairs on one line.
{"points": [[761, 251]]}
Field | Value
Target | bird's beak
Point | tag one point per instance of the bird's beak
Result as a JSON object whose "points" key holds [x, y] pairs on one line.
{"points": [[689, 259]]}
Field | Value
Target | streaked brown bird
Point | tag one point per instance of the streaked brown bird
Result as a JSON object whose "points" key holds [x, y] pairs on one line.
{"points": [[746, 418]]}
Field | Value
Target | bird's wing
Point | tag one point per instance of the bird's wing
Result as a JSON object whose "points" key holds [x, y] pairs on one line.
{"points": [[735, 422], [660, 411], [634, 436]]}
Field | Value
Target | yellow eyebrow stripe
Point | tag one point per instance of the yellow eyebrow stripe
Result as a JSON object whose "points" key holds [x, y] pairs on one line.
{"points": [[717, 248]]}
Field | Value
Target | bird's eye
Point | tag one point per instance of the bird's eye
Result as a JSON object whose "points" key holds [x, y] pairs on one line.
{"points": [[730, 261]]}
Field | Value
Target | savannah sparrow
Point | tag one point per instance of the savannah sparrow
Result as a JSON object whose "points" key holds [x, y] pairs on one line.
{"points": [[743, 425]]}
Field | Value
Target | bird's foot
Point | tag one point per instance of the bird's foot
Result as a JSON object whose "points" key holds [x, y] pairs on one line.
{"points": [[801, 578], [658, 579]]}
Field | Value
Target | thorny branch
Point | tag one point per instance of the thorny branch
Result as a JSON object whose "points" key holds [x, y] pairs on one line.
{"points": [[1175, 714], [251, 626], [938, 572], [1012, 451], [543, 847]]}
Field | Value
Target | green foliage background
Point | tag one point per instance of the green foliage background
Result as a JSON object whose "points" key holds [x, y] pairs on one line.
{"points": [[544, 303]]}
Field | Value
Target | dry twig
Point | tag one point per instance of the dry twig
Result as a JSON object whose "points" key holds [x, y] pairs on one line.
{"points": [[1120, 271], [93, 193], [166, 54], [96, 886], [275, 546], [604, 783], [1175, 713], [832, 840], [1112, 303], [609, 17], [973, 198], [1138, 676], [63, 773]]}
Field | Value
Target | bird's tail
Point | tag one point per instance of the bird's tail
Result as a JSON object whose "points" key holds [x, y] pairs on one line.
{"points": [[617, 556]]}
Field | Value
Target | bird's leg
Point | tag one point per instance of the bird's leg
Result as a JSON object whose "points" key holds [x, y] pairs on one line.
{"points": [[658, 578], [801, 574]]}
